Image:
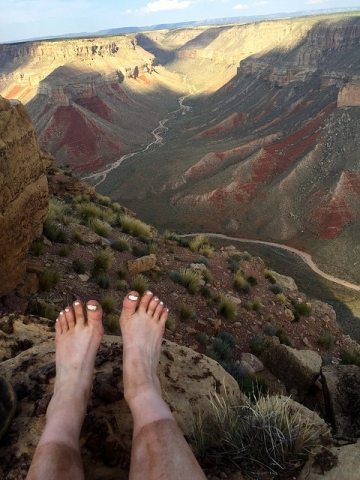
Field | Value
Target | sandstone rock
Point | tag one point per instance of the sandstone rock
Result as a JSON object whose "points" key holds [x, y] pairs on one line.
{"points": [[289, 314], [297, 369], [341, 387], [251, 363], [337, 463], [284, 281], [87, 235], [84, 277], [187, 379], [142, 264], [23, 193]]}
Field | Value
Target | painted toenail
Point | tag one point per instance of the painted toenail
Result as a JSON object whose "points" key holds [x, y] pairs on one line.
{"points": [[156, 299], [148, 292], [77, 303], [92, 308], [133, 298], [61, 313], [167, 310], [67, 310], [161, 303]]}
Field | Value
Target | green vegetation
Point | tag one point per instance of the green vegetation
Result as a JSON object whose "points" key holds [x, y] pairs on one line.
{"points": [[327, 339], [171, 323], [302, 308], [253, 386], [122, 285], [202, 338], [350, 357], [100, 227], [112, 323], [122, 273], [121, 245], [89, 211], [269, 276], [258, 344], [191, 280], [227, 308], [103, 280], [186, 312], [205, 292], [103, 261], [221, 350], [64, 251], [275, 288], [48, 279], [135, 227], [140, 283], [78, 266], [281, 297], [240, 283], [140, 250], [197, 242], [43, 309], [55, 232], [109, 303], [37, 248], [256, 305], [252, 280]]}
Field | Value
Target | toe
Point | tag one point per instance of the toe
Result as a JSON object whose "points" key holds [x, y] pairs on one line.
{"points": [[145, 300], [158, 310], [164, 316], [79, 313], [70, 317], [94, 315], [58, 329], [153, 305], [63, 322], [130, 303]]}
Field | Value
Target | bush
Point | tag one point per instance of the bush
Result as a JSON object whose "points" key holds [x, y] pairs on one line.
{"points": [[54, 232], [100, 227], [227, 338], [153, 248], [252, 280], [109, 303], [203, 260], [122, 285], [64, 251], [258, 344], [206, 251], [249, 384], [202, 338], [43, 309], [270, 330], [234, 264], [78, 266], [140, 251], [350, 357], [227, 308], [103, 261], [102, 280], [183, 242], [103, 200], [175, 277], [77, 237], [197, 242], [282, 336], [122, 273], [223, 350], [135, 227], [48, 279], [171, 323], [140, 283], [37, 248], [256, 305], [191, 280], [240, 284], [89, 211], [246, 256], [281, 297], [303, 308], [275, 288], [207, 275], [327, 339], [186, 312], [112, 325], [269, 276], [205, 291]]}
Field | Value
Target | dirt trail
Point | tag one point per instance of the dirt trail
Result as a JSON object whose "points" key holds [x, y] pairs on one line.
{"points": [[305, 257]]}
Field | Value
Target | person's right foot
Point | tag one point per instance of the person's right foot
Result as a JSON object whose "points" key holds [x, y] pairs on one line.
{"points": [[142, 324]]}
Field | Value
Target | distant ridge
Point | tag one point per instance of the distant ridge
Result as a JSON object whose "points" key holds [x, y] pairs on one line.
{"points": [[199, 23]]}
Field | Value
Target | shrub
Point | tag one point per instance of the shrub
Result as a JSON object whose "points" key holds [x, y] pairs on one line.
{"points": [[197, 242], [183, 242], [222, 349], [227, 338], [102, 280], [103, 261], [37, 248], [254, 387], [246, 256], [56, 211], [303, 308], [41, 308], [275, 288], [89, 211], [206, 250], [77, 237], [205, 291], [175, 277], [54, 232], [121, 245], [227, 308], [252, 280], [117, 208], [234, 264], [256, 305], [108, 303], [122, 285], [103, 200], [168, 235], [281, 297], [140, 251], [135, 227], [186, 312], [78, 266], [191, 280], [112, 324], [171, 323], [270, 330], [269, 276], [327, 339], [48, 279], [203, 260], [100, 227], [350, 357], [202, 338], [240, 284], [207, 275], [64, 251], [122, 273], [258, 344], [153, 248], [282, 336], [140, 283]]}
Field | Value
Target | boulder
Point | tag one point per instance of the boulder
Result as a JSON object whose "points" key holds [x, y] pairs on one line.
{"points": [[341, 387], [187, 378], [23, 192], [142, 264], [337, 463], [297, 369], [285, 282], [86, 234], [251, 363]]}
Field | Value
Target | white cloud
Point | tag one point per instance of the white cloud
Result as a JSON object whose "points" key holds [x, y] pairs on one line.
{"points": [[160, 5], [260, 3], [316, 2], [241, 6]]}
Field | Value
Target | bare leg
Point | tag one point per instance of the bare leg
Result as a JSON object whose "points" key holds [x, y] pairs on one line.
{"points": [[78, 337], [159, 448]]}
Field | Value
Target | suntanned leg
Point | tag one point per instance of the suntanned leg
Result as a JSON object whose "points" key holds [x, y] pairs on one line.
{"points": [[78, 336], [159, 448]]}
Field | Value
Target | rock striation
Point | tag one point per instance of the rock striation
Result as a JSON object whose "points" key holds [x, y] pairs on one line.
{"points": [[23, 192]]}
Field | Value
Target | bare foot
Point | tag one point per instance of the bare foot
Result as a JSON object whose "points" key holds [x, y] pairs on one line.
{"points": [[142, 324], [78, 336]]}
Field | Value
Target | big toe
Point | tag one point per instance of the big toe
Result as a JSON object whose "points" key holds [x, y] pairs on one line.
{"points": [[94, 315], [130, 303]]}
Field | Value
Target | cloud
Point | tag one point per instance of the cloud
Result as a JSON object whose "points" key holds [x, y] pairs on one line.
{"points": [[260, 3], [161, 5], [316, 2], [241, 6]]}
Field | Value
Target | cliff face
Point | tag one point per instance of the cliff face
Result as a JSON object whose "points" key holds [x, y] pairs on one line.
{"points": [[23, 192]]}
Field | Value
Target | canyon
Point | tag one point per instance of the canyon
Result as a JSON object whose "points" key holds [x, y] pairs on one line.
{"points": [[268, 147]]}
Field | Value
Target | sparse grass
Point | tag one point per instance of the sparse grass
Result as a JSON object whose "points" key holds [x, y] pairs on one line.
{"points": [[175, 276], [205, 292], [258, 344], [206, 251], [240, 283], [89, 211], [57, 210], [112, 323], [153, 248], [183, 242], [256, 305], [55, 232], [171, 323], [191, 280], [222, 349], [103, 280], [202, 338], [103, 261], [140, 283], [269, 276], [262, 438], [43, 309], [103, 200], [246, 256], [64, 251], [350, 357], [120, 245], [37, 248], [134, 226], [207, 275], [109, 303], [48, 279], [77, 237], [198, 242], [140, 250], [79, 267], [275, 288], [252, 280], [283, 337], [122, 273], [100, 227], [186, 312], [302, 308], [117, 208], [203, 260], [122, 285], [253, 386], [227, 308], [281, 297], [327, 339]]}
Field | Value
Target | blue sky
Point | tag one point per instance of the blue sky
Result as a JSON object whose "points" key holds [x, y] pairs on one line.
{"points": [[21, 19]]}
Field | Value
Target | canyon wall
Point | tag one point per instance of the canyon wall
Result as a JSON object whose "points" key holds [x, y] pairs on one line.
{"points": [[23, 192]]}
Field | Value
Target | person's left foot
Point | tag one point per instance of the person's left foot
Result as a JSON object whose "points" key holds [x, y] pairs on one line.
{"points": [[78, 335]]}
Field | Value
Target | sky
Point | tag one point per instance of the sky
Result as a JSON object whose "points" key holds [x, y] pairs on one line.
{"points": [[23, 19]]}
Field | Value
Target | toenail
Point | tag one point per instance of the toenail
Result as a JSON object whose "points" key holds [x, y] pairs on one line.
{"points": [[156, 299], [133, 298], [67, 310], [161, 303], [57, 320], [61, 313], [77, 303], [167, 310], [92, 308], [148, 292]]}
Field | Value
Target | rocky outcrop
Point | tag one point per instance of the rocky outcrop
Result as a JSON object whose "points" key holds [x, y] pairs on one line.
{"points": [[187, 379], [23, 192], [142, 264], [349, 95]]}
